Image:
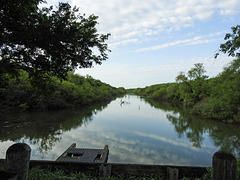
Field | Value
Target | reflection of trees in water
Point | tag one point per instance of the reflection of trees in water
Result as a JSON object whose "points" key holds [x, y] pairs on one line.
{"points": [[225, 136], [186, 126], [46, 143], [44, 128]]}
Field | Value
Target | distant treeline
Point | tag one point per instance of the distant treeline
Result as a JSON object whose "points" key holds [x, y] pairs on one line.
{"points": [[216, 98], [76, 91]]}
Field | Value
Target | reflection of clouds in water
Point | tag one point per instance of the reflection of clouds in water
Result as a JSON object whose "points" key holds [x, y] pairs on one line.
{"points": [[160, 138], [134, 136], [146, 137], [131, 147], [4, 146]]}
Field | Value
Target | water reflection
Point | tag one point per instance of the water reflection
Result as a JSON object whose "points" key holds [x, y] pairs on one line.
{"points": [[44, 129], [225, 136], [136, 131]]}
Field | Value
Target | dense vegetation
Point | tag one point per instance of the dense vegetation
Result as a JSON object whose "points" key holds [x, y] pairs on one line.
{"points": [[75, 91], [217, 98]]}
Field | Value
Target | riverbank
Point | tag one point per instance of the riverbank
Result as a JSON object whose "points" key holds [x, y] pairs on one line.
{"points": [[214, 98], [54, 94]]}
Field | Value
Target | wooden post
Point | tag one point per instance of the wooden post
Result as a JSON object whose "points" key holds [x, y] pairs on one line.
{"points": [[224, 166], [17, 160], [104, 157], [172, 173], [105, 170]]}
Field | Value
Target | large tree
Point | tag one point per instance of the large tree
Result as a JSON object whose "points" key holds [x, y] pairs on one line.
{"points": [[47, 41]]}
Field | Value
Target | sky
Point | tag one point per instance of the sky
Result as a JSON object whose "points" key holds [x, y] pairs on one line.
{"points": [[152, 41]]}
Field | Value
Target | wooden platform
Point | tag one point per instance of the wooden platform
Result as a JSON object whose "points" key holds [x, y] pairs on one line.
{"points": [[73, 154]]}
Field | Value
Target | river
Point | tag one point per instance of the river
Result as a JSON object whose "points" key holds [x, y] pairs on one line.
{"points": [[136, 131]]}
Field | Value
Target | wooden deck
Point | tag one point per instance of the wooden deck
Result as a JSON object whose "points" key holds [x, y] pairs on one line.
{"points": [[73, 154]]}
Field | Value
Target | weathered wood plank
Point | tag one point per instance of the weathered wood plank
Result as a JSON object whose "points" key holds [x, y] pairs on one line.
{"points": [[65, 152], [224, 166], [17, 160], [172, 173], [73, 154], [104, 157], [89, 156]]}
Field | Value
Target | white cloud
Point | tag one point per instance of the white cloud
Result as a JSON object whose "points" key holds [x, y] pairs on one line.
{"points": [[193, 41], [138, 18], [167, 140], [128, 41]]}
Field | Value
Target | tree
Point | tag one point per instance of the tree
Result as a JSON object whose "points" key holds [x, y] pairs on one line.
{"points": [[197, 72], [47, 41], [232, 43], [182, 78], [193, 87]]}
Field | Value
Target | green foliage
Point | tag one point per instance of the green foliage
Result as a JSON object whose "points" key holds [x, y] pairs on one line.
{"points": [[194, 86], [189, 89], [75, 91], [224, 100], [47, 42], [216, 98], [232, 43]]}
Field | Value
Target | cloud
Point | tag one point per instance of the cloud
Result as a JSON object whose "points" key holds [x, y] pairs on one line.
{"points": [[167, 140], [137, 19], [128, 41], [186, 42], [127, 146], [4, 146]]}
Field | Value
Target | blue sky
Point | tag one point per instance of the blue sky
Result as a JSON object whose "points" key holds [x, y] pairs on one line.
{"points": [[152, 41]]}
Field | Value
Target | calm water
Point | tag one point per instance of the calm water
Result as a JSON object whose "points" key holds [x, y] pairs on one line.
{"points": [[136, 132]]}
